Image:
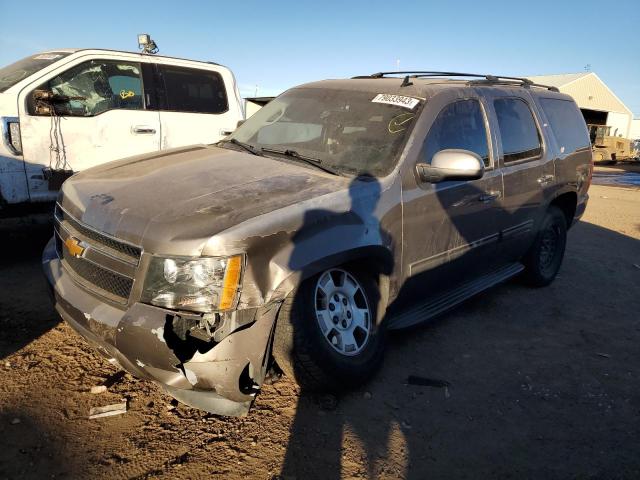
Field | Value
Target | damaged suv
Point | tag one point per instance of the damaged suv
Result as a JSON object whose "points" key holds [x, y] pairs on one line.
{"points": [[342, 209]]}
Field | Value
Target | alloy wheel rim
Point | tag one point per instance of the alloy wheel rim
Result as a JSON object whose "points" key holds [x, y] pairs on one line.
{"points": [[342, 312]]}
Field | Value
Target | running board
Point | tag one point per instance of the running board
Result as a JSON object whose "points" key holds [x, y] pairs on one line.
{"points": [[443, 302]]}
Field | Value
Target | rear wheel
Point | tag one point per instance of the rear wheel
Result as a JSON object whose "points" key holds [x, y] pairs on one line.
{"points": [[327, 336], [544, 258]]}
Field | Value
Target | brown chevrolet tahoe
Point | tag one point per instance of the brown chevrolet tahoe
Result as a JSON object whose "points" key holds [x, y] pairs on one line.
{"points": [[342, 209]]}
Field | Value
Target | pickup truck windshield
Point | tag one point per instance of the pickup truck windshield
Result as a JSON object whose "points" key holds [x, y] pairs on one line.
{"points": [[13, 73], [350, 131]]}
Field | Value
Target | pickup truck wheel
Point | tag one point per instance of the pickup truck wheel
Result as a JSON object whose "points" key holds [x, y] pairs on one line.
{"points": [[543, 260], [326, 336]]}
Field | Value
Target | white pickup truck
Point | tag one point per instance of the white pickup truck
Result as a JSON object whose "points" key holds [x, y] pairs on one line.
{"points": [[67, 110]]}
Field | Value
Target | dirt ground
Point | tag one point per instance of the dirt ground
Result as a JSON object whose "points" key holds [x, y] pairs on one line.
{"points": [[543, 384]]}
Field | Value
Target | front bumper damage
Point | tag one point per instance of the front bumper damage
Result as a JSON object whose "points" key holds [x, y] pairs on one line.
{"points": [[222, 380]]}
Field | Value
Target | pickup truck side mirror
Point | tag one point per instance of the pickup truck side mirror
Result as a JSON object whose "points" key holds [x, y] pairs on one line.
{"points": [[451, 164]]}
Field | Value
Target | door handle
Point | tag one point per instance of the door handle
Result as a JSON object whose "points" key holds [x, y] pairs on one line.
{"points": [[143, 130], [545, 180], [489, 197]]}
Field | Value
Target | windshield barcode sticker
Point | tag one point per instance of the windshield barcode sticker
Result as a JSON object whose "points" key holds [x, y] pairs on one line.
{"points": [[398, 100]]}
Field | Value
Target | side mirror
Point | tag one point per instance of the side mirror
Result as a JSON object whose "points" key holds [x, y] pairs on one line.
{"points": [[451, 164]]}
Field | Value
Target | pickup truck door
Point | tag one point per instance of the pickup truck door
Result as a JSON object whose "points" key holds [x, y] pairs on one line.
{"points": [[526, 162], [196, 106], [108, 119], [450, 229]]}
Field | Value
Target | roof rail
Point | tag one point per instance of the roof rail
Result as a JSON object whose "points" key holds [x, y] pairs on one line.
{"points": [[484, 79]]}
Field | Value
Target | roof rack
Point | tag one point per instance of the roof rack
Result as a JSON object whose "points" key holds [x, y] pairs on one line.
{"points": [[484, 79]]}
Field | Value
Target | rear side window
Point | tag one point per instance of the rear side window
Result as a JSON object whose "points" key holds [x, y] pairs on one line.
{"points": [[520, 137], [459, 125], [192, 90], [567, 124]]}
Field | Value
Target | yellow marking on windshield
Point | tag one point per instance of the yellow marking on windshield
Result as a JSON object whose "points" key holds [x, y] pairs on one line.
{"points": [[398, 123]]}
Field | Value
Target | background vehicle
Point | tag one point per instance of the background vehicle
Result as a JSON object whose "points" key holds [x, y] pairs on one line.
{"points": [[67, 110], [609, 148], [341, 209], [635, 149]]}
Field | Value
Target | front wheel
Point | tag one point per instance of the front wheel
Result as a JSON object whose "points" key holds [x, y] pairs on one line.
{"points": [[544, 258], [328, 336]]}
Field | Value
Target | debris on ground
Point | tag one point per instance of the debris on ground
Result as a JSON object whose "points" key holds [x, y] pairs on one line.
{"points": [[98, 389], [367, 395], [426, 382], [273, 376], [108, 410], [15, 421], [605, 355]]}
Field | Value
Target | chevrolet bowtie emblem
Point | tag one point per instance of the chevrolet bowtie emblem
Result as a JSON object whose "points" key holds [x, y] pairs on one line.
{"points": [[74, 246]]}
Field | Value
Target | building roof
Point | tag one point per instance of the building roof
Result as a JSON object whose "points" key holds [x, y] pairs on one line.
{"points": [[559, 80], [587, 89]]}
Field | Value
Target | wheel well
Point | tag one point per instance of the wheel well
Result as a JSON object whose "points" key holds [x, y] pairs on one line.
{"points": [[567, 202]]}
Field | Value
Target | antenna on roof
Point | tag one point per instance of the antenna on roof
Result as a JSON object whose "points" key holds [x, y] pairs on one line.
{"points": [[146, 44], [587, 67]]}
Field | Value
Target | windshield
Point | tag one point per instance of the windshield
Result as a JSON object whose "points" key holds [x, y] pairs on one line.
{"points": [[351, 131], [13, 73]]}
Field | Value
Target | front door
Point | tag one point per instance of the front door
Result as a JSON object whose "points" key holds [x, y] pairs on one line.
{"points": [[99, 116], [450, 231]]}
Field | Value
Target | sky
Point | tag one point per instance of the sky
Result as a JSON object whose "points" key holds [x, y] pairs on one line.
{"points": [[271, 46]]}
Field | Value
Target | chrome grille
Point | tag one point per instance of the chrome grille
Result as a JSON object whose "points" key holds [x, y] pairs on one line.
{"points": [[106, 266], [126, 249]]}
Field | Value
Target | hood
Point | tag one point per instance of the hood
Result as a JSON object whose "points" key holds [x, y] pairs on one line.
{"points": [[171, 202]]}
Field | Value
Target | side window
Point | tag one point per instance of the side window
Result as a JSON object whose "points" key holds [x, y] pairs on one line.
{"points": [[192, 90], [97, 86], [567, 124], [459, 125], [520, 138]]}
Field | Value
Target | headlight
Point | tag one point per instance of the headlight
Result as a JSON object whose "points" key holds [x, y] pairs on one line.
{"points": [[198, 284]]}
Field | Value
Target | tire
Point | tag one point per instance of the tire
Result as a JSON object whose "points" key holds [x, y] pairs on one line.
{"points": [[543, 260], [322, 361]]}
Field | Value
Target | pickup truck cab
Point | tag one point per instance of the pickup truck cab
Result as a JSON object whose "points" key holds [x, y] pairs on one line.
{"points": [[342, 209], [66, 110]]}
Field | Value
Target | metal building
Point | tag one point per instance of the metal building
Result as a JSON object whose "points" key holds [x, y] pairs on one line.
{"points": [[599, 105]]}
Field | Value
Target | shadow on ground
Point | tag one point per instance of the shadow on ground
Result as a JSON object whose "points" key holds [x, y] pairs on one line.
{"points": [[25, 309]]}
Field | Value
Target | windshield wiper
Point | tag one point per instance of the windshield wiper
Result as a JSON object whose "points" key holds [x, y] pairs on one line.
{"points": [[308, 160], [245, 146]]}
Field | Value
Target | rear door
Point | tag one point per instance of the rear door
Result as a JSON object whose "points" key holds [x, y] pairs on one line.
{"points": [[100, 115], [527, 167], [194, 106]]}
